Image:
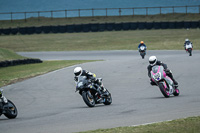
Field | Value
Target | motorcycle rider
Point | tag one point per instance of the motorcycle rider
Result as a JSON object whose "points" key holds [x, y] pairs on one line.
{"points": [[141, 44], [187, 42], [78, 71], [152, 62]]}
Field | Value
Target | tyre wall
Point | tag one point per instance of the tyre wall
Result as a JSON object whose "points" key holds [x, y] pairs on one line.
{"points": [[97, 27]]}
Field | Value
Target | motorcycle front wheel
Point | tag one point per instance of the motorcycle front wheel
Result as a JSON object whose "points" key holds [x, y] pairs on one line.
{"points": [[88, 99], [164, 90], [11, 110], [108, 100], [190, 52]]}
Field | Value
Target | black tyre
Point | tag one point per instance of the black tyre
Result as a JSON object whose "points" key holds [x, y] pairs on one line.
{"points": [[177, 92], [108, 100], [164, 90], [11, 110], [88, 99], [190, 52], [142, 56]]}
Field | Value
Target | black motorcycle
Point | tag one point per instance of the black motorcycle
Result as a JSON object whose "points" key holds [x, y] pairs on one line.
{"points": [[7, 107], [142, 51], [88, 90]]}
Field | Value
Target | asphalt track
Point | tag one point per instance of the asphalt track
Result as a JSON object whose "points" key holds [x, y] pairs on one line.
{"points": [[49, 104]]}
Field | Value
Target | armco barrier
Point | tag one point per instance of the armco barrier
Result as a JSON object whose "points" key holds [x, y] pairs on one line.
{"points": [[100, 27], [19, 62]]}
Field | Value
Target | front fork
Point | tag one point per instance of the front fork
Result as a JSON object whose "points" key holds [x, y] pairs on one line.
{"points": [[168, 87]]}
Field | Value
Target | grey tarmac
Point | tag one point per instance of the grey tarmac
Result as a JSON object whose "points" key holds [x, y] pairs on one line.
{"points": [[49, 104]]}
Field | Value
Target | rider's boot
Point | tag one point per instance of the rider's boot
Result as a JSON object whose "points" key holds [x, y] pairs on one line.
{"points": [[172, 77], [104, 92], [175, 82]]}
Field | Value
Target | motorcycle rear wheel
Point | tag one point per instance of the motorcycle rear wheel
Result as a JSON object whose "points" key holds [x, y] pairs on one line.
{"points": [[90, 102], [177, 92], [12, 112], [163, 90]]}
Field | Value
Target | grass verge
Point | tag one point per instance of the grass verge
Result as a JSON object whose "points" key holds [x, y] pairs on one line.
{"points": [[186, 125], [14, 74], [169, 39], [6, 54]]}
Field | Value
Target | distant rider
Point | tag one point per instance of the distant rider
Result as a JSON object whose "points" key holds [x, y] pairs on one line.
{"points": [[187, 42], [141, 44], [152, 62], [78, 71]]}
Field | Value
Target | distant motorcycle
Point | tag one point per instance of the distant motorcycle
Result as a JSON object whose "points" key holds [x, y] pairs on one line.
{"points": [[88, 90], [7, 107], [188, 48], [164, 82], [142, 51]]}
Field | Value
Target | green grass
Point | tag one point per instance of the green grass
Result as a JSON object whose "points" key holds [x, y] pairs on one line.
{"points": [[42, 21], [17, 73], [169, 39], [187, 125], [6, 54]]}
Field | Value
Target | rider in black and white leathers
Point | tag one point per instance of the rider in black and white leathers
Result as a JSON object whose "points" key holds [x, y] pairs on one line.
{"points": [[78, 71], [152, 62]]}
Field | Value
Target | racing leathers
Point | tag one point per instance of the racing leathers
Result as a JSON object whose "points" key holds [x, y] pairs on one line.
{"points": [[97, 81], [141, 44], [187, 43], [168, 72]]}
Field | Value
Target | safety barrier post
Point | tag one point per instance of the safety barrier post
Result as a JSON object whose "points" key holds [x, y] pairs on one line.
{"points": [[160, 10], [186, 9], [25, 16], [146, 11], [92, 12], [11, 16], [38, 16], [65, 13]]}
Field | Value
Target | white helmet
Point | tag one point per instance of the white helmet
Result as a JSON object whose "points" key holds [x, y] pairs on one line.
{"points": [[78, 71], [186, 40], [152, 60]]}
